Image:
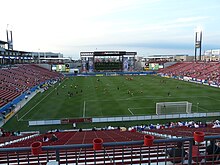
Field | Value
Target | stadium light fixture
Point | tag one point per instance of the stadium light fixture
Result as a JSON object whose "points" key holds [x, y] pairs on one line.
{"points": [[9, 37], [9, 27], [198, 42], [199, 29]]}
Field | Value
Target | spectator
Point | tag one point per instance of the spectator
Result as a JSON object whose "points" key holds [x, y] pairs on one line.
{"points": [[18, 133], [53, 138], [212, 149], [216, 125], [74, 125], [158, 126], [196, 125], [1, 132], [178, 153], [45, 139]]}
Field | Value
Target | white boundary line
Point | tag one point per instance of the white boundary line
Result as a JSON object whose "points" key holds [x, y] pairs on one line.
{"points": [[35, 106], [206, 110], [143, 98], [142, 108], [21, 118], [130, 111], [84, 109], [213, 98]]}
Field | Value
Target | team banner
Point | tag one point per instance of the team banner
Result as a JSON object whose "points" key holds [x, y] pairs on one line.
{"points": [[84, 64], [91, 65], [131, 64], [125, 64]]}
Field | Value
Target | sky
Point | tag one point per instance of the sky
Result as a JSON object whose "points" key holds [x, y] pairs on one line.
{"points": [[148, 27]]}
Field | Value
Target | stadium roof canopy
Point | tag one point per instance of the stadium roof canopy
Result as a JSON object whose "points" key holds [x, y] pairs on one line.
{"points": [[160, 56], [56, 58]]}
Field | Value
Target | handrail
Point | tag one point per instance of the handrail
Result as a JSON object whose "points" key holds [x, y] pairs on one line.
{"points": [[157, 142]]}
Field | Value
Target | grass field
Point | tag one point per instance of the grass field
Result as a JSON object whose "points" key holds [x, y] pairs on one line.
{"points": [[78, 97]]}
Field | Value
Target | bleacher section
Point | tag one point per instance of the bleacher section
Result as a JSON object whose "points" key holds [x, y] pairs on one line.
{"points": [[18, 79], [128, 154], [85, 137], [204, 71], [9, 137], [183, 131]]}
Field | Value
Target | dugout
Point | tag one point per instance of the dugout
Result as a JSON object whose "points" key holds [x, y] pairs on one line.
{"points": [[108, 61]]}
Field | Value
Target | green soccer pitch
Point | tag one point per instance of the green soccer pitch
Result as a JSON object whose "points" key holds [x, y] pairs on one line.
{"points": [[81, 97]]}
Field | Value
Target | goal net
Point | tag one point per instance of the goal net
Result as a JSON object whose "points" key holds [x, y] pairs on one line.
{"points": [[182, 107]]}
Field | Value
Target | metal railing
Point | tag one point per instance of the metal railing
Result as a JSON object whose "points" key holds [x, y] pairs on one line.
{"points": [[130, 152]]}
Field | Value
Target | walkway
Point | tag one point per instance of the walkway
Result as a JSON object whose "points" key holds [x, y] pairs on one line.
{"points": [[21, 104]]}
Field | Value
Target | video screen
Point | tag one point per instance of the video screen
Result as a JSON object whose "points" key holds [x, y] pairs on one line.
{"points": [[108, 65], [153, 66], [59, 68]]}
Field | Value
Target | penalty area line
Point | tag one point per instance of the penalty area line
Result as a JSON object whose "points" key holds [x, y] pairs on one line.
{"points": [[130, 111]]}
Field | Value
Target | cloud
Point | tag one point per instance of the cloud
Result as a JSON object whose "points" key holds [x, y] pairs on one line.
{"points": [[54, 25]]}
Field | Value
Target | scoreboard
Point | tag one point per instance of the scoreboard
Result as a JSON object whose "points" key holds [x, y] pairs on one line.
{"points": [[107, 61], [108, 65]]}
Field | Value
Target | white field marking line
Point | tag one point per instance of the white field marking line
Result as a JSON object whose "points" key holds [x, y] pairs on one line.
{"points": [[35, 105], [142, 108], [143, 98], [84, 109], [212, 98], [129, 98], [130, 111], [201, 108]]}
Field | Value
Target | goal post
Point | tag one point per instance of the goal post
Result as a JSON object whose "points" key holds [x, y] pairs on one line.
{"points": [[163, 108]]}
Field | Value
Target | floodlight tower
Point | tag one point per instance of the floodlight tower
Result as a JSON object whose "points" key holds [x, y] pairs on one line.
{"points": [[9, 37], [198, 42]]}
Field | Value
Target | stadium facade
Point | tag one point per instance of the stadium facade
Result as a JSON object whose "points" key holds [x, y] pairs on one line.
{"points": [[9, 56]]}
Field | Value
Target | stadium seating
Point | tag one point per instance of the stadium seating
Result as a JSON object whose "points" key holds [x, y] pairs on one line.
{"points": [[22, 77], [184, 131], [18, 79], [84, 137], [208, 71], [134, 154]]}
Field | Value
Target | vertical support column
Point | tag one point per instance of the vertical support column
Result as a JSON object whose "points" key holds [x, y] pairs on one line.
{"points": [[57, 156], [200, 50]]}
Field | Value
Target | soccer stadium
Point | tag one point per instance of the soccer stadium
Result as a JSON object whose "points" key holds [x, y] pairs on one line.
{"points": [[108, 112], [110, 106]]}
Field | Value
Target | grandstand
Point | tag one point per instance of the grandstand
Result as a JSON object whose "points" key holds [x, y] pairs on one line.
{"points": [[120, 146], [19, 81], [204, 72]]}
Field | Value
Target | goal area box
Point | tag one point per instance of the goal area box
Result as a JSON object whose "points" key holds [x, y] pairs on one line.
{"points": [[165, 108]]}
